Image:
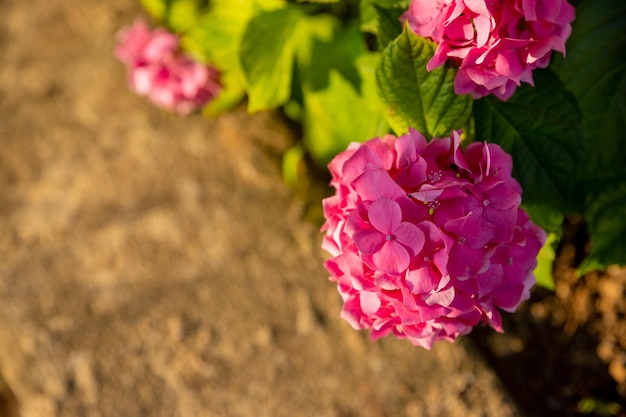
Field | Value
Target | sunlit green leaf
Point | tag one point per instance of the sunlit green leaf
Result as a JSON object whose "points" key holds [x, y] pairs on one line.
{"points": [[267, 56], [340, 101], [415, 97], [157, 8], [545, 263]]}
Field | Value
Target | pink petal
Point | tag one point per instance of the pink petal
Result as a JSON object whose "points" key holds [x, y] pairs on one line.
{"points": [[374, 184], [385, 215], [363, 159], [392, 258], [410, 236], [443, 298], [476, 231], [422, 280], [368, 240], [369, 302]]}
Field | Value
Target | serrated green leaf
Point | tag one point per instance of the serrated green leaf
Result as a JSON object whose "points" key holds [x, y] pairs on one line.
{"points": [[595, 72], [606, 215], [267, 56], [415, 97], [545, 263], [540, 127]]}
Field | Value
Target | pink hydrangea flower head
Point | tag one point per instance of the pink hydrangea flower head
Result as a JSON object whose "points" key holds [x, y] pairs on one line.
{"points": [[158, 69], [427, 240], [495, 43]]}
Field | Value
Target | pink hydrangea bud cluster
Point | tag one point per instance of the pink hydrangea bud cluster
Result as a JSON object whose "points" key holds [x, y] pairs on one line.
{"points": [[495, 43], [158, 69], [426, 240]]}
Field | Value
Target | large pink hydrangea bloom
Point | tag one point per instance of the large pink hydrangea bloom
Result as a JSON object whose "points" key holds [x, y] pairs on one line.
{"points": [[426, 240], [495, 43], [158, 69]]}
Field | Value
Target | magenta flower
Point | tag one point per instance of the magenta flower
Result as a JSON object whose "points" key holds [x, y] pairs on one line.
{"points": [[496, 44], [157, 69], [426, 240]]}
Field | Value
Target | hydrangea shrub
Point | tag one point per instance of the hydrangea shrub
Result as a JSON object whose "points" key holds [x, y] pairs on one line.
{"points": [[427, 240]]}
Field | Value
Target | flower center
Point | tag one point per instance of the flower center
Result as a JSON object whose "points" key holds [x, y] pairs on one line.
{"points": [[432, 206], [434, 176], [389, 237], [461, 241], [485, 203]]}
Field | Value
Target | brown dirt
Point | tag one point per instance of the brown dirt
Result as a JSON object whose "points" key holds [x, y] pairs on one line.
{"points": [[156, 266]]}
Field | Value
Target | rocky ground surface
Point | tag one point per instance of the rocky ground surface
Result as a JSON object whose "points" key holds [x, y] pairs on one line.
{"points": [[158, 266]]}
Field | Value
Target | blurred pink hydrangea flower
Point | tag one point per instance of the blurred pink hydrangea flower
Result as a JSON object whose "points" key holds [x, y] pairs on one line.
{"points": [[158, 69], [495, 43], [426, 240]]}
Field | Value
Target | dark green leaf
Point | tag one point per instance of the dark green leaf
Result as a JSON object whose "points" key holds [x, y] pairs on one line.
{"points": [[540, 127], [606, 215], [389, 25], [595, 72], [414, 97]]}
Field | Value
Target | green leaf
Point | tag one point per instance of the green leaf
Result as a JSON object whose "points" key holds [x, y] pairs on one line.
{"points": [[182, 14], [415, 97], [368, 17], [548, 218], [545, 263], [595, 72], [401, 4], [340, 102], [389, 26], [540, 127], [216, 39], [340, 114], [328, 46], [177, 15], [267, 56], [606, 215], [292, 165], [157, 8]]}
